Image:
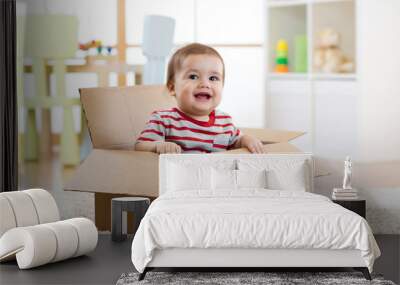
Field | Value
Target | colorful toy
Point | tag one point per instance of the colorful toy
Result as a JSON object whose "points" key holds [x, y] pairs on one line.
{"points": [[91, 44], [328, 57], [281, 59], [109, 49]]}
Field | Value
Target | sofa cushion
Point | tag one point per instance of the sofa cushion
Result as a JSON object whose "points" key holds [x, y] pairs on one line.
{"points": [[7, 215], [23, 208], [41, 244], [45, 205]]}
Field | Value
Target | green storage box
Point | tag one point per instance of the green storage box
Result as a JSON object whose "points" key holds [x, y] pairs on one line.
{"points": [[300, 53]]}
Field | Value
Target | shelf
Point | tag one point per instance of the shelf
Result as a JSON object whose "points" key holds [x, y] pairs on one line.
{"points": [[329, 1], [288, 76], [286, 3], [334, 76], [314, 76]]}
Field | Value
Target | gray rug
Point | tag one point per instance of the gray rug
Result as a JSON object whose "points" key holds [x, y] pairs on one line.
{"points": [[269, 278]]}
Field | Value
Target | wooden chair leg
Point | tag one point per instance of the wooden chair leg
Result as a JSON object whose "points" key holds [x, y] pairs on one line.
{"points": [[69, 140], [31, 137]]}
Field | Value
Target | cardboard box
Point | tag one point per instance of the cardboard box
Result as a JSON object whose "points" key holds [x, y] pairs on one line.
{"points": [[115, 117]]}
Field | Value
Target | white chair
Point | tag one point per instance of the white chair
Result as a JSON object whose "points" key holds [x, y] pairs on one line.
{"points": [[158, 35], [55, 38], [31, 230]]}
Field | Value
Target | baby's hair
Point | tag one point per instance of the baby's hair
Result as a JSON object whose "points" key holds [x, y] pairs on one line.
{"points": [[175, 63]]}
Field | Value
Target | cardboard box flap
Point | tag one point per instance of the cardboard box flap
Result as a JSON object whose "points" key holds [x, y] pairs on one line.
{"points": [[117, 172], [283, 147], [271, 135], [133, 172], [116, 115]]}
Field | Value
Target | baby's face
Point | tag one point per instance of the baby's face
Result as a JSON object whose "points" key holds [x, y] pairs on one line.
{"points": [[198, 85]]}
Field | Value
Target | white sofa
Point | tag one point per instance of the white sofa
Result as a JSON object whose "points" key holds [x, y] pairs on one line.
{"points": [[31, 230]]}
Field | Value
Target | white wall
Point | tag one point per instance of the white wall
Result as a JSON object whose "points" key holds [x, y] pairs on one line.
{"points": [[379, 112], [380, 80], [97, 18], [243, 96]]}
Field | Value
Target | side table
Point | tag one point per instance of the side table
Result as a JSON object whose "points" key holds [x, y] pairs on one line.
{"points": [[137, 205], [358, 206]]}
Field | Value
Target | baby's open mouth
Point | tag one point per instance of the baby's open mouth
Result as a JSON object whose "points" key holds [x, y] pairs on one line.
{"points": [[202, 96]]}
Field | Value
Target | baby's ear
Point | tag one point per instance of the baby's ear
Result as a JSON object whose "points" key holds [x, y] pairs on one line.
{"points": [[171, 89]]}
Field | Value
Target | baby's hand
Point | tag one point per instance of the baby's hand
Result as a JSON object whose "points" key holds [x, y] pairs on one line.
{"points": [[253, 144], [167, 147]]}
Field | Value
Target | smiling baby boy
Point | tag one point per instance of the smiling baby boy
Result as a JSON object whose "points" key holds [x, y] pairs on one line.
{"points": [[195, 77]]}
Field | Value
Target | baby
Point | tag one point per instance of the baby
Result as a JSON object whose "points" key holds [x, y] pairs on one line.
{"points": [[195, 77]]}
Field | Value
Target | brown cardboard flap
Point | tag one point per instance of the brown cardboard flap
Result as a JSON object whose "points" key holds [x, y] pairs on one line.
{"points": [[271, 135], [116, 115], [133, 172], [283, 147], [117, 172]]}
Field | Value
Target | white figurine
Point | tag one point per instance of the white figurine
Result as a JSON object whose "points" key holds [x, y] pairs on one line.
{"points": [[347, 173]]}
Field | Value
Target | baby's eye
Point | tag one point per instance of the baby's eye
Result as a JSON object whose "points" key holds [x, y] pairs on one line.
{"points": [[214, 78], [193, 76]]}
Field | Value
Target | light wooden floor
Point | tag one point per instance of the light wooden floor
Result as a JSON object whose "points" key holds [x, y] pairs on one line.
{"points": [[49, 174]]}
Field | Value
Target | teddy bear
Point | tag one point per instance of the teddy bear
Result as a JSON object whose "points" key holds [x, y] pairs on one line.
{"points": [[328, 57]]}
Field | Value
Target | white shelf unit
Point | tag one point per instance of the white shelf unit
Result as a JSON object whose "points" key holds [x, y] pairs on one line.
{"points": [[314, 102], [289, 18]]}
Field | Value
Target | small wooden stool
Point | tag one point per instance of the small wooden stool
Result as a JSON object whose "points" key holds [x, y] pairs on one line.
{"points": [[137, 205]]}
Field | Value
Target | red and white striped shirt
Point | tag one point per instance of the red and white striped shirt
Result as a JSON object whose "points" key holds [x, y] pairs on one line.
{"points": [[193, 136]]}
